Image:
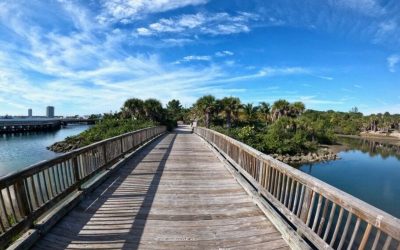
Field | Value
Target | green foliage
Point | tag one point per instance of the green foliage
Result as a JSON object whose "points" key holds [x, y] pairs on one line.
{"points": [[204, 108], [107, 128], [133, 108], [175, 111], [154, 110], [288, 128]]}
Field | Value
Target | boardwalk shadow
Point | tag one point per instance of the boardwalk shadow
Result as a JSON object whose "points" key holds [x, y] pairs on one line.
{"points": [[115, 214]]}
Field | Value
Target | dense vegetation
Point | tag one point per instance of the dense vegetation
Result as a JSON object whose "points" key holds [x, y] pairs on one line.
{"points": [[283, 127], [107, 128], [135, 114], [280, 128]]}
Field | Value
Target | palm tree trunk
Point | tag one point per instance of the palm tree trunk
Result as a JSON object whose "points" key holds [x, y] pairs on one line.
{"points": [[228, 119], [207, 115]]}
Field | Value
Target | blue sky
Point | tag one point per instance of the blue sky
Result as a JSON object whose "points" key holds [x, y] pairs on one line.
{"points": [[87, 57]]}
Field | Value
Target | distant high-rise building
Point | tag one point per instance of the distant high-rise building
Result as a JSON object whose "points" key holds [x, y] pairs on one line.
{"points": [[30, 112], [50, 111]]}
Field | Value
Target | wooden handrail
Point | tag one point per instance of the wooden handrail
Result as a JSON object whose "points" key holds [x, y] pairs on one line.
{"points": [[328, 217], [28, 194]]}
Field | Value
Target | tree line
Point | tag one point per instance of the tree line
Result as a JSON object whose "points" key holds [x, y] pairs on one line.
{"points": [[281, 127]]}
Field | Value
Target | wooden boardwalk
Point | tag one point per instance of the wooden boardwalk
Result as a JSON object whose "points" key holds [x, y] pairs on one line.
{"points": [[174, 194]]}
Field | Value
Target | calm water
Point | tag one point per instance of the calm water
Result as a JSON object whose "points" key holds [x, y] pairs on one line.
{"points": [[368, 170], [20, 150]]}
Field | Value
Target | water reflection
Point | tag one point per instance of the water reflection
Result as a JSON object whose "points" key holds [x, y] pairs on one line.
{"points": [[367, 169], [372, 147]]}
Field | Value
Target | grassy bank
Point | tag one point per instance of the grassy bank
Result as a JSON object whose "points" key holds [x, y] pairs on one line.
{"points": [[104, 129]]}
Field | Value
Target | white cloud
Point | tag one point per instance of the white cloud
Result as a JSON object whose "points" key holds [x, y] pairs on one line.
{"points": [[126, 11], [196, 58], [328, 78], [143, 31], [224, 53], [392, 62], [202, 23], [177, 41], [266, 72], [273, 71]]}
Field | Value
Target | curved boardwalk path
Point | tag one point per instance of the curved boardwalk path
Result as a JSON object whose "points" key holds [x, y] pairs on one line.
{"points": [[174, 194]]}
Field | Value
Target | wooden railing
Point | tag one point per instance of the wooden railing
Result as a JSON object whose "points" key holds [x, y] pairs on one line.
{"points": [[324, 215], [28, 194]]}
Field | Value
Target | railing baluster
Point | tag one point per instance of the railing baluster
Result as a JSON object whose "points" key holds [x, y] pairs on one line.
{"points": [[45, 186], [376, 240], [4, 208], [50, 183], [34, 191], [365, 237], [310, 208], [10, 198], [282, 187], [317, 213], [289, 180], [3, 229], [278, 189], [353, 236], [21, 197], [39, 187], [338, 222], [75, 169], [322, 221], [328, 227], [294, 183], [298, 204], [387, 243], [60, 186], [346, 228], [54, 178], [306, 204]]}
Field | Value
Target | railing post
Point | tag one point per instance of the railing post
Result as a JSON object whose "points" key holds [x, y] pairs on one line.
{"points": [[239, 157], [75, 168], [104, 153], [122, 145], [259, 162], [306, 204], [22, 198]]}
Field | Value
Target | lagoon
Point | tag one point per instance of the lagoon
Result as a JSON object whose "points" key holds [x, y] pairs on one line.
{"points": [[368, 170], [20, 150]]}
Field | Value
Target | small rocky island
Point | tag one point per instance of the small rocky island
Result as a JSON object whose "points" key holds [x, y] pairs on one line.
{"points": [[323, 154], [65, 146]]}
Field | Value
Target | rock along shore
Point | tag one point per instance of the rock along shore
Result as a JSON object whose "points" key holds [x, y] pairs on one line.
{"points": [[64, 146], [321, 155]]}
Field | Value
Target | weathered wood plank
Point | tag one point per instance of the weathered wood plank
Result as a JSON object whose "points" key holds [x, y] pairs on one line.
{"points": [[173, 195]]}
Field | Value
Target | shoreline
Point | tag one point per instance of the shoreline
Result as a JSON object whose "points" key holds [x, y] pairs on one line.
{"points": [[323, 154], [392, 140]]}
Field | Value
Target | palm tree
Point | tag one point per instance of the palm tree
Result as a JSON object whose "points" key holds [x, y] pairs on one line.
{"points": [[174, 109], [264, 110], [250, 111], [153, 109], [231, 106], [206, 105], [374, 122], [279, 109], [296, 109], [133, 108]]}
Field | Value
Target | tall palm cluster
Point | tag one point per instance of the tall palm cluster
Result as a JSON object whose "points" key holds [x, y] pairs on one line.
{"points": [[137, 109], [152, 110], [381, 122], [233, 110]]}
